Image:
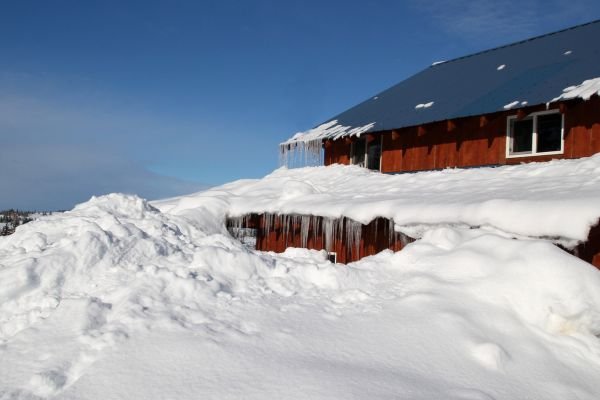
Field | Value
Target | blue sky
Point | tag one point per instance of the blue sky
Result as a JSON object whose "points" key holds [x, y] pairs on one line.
{"points": [[163, 98]]}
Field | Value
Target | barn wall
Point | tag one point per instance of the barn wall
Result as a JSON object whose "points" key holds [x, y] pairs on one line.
{"points": [[475, 141], [590, 250], [337, 151], [461, 143], [278, 232], [349, 239]]}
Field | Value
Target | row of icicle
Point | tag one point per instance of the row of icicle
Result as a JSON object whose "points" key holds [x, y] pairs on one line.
{"points": [[333, 229], [301, 154]]}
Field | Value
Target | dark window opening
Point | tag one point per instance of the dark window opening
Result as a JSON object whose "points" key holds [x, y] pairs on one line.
{"points": [[549, 131], [332, 257], [374, 154], [522, 135], [540, 133], [358, 152]]}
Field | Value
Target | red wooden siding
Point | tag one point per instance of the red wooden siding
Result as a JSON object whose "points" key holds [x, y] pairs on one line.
{"points": [[474, 141], [278, 232], [590, 250], [337, 151], [462, 142]]}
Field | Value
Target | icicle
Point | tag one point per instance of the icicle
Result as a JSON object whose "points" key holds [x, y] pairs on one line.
{"points": [[305, 148], [376, 230], [353, 234], [300, 154], [340, 228], [304, 230], [316, 228], [328, 228], [285, 220], [268, 222]]}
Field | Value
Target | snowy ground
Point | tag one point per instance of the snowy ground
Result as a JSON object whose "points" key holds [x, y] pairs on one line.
{"points": [[117, 299]]}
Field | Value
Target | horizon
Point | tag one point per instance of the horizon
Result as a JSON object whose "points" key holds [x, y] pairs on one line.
{"points": [[162, 100]]}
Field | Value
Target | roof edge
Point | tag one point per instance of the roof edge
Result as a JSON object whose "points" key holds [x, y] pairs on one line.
{"points": [[436, 64]]}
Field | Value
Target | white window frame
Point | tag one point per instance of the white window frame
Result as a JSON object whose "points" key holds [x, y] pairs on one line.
{"points": [[534, 140], [334, 254]]}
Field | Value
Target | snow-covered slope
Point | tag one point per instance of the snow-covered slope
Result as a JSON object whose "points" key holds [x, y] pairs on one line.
{"points": [[559, 199], [120, 298]]}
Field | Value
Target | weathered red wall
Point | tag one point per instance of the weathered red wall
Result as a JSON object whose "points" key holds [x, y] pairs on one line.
{"points": [[375, 237], [474, 141], [337, 151], [590, 250]]}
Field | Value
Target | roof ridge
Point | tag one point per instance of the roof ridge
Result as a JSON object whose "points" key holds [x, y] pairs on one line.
{"points": [[515, 43]]}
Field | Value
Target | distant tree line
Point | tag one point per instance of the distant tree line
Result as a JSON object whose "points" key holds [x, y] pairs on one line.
{"points": [[11, 219]]}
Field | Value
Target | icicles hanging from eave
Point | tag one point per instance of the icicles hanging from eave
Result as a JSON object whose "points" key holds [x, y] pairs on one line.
{"points": [[305, 148], [300, 154]]}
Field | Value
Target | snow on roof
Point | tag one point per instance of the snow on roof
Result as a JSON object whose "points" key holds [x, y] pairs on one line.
{"points": [[328, 130], [305, 147], [584, 90], [424, 105], [558, 199], [511, 105], [467, 86]]}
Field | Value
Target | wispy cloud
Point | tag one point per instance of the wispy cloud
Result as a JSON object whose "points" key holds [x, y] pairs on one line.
{"points": [[503, 20]]}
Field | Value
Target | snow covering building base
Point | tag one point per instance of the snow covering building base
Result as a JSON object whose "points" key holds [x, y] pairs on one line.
{"points": [[347, 240]]}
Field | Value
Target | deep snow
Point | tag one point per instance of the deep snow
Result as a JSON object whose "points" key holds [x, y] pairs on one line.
{"points": [[559, 200], [120, 298]]}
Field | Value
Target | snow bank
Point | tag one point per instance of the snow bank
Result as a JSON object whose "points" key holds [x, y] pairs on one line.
{"points": [[119, 298], [115, 265], [558, 200]]}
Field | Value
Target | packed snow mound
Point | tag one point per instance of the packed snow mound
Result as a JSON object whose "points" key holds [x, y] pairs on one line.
{"points": [[508, 273], [119, 296], [558, 199]]}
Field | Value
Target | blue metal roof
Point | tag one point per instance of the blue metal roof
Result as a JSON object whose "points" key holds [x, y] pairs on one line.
{"points": [[536, 71]]}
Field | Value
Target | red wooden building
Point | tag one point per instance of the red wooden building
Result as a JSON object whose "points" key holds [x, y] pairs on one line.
{"points": [[534, 100]]}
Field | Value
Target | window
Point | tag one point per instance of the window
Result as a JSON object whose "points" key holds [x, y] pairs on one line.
{"points": [[332, 257], [374, 154], [366, 154], [537, 134], [358, 151]]}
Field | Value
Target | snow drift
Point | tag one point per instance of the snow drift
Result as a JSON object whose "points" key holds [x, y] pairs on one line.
{"points": [[558, 199], [120, 298]]}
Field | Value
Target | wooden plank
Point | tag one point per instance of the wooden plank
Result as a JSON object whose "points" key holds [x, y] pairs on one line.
{"points": [[474, 141]]}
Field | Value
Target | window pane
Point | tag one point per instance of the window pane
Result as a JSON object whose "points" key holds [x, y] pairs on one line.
{"points": [[374, 154], [522, 135], [358, 152], [549, 129]]}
